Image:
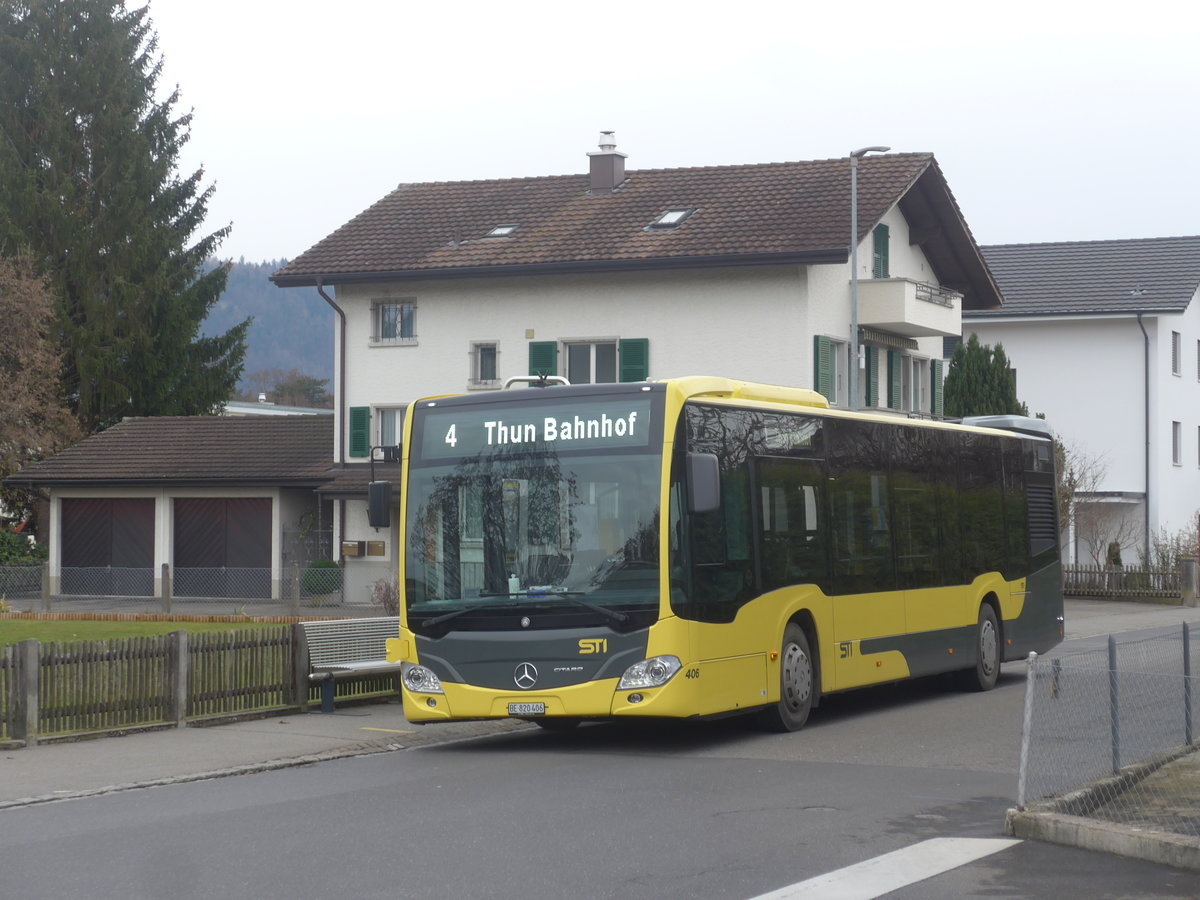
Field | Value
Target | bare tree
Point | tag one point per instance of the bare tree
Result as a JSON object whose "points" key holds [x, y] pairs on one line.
{"points": [[34, 419], [1102, 529]]}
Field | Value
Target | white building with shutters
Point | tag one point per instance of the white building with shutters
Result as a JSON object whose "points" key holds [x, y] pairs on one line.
{"points": [[624, 275]]}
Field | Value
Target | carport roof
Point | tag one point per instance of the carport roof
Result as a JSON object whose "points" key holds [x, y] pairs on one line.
{"points": [[241, 450]]}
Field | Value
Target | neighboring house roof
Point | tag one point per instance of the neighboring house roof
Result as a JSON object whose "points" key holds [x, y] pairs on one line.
{"points": [[288, 450], [773, 213], [265, 408], [1095, 277], [351, 480]]}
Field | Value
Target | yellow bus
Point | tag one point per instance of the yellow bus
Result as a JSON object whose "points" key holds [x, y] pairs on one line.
{"points": [[701, 547]]}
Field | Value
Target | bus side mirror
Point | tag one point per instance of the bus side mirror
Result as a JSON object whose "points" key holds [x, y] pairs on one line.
{"points": [[704, 482], [379, 504]]}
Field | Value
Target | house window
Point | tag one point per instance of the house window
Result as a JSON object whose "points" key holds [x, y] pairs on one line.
{"points": [[483, 364], [393, 323], [1176, 353], [831, 368], [879, 256], [391, 426], [592, 363], [501, 231], [1177, 443], [1198, 360]]}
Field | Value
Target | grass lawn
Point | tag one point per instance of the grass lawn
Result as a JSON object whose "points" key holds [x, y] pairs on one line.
{"points": [[14, 630]]}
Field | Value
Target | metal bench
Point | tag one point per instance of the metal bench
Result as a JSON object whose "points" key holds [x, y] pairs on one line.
{"points": [[340, 648]]}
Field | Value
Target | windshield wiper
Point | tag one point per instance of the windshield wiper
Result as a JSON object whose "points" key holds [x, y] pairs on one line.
{"points": [[455, 613], [572, 596]]}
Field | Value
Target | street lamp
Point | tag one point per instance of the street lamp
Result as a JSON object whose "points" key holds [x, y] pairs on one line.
{"points": [[854, 158]]}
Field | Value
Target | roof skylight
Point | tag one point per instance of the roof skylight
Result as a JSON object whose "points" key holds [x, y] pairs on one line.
{"points": [[502, 230], [672, 218]]}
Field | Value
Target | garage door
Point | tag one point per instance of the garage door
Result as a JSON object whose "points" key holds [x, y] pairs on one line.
{"points": [[108, 546], [222, 547]]}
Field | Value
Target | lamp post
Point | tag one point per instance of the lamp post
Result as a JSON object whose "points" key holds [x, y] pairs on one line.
{"points": [[854, 158]]}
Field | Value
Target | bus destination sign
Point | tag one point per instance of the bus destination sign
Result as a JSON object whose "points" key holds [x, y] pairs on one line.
{"points": [[589, 425]]}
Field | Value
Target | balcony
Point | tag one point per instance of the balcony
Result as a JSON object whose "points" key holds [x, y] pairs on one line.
{"points": [[911, 308]]}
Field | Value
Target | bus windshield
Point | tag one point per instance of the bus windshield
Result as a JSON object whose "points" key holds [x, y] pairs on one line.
{"points": [[537, 515]]}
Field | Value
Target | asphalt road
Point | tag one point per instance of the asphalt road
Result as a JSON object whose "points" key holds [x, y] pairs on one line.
{"points": [[687, 811], [710, 811]]}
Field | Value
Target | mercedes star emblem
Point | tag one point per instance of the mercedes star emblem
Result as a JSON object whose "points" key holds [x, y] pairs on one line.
{"points": [[525, 676]]}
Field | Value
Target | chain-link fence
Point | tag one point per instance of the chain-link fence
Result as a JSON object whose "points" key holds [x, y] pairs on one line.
{"points": [[1110, 733], [315, 587]]}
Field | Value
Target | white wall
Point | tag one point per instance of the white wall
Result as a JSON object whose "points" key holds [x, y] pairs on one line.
{"points": [[1087, 376]]}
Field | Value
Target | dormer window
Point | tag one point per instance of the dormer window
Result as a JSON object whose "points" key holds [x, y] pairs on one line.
{"points": [[672, 218], [502, 231]]}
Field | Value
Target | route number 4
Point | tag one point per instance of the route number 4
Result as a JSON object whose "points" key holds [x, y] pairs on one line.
{"points": [[451, 437]]}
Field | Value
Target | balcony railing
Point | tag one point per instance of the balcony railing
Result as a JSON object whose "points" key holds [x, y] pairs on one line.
{"points": [[910, 308]]}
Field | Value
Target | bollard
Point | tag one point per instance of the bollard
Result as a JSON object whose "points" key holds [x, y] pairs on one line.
{"points": [[1189, 569], [1114, 707], [1026, 728]]}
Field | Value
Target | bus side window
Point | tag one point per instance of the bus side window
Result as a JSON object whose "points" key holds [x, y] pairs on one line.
{"points": [[792, 520]]}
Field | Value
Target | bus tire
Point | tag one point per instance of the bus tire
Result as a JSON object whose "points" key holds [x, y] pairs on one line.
{"points": [[796, 684], [986, 671]]}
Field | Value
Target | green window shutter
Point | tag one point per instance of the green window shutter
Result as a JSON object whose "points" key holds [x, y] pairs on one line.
{"points": [[936, 405], [879, 267], [360, 431], [823, 366], [872, 392], [635, 359], [543, 357], [895, 378]]}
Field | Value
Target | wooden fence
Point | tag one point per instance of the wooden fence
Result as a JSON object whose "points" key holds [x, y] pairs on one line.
{"points": [[69, 689], [1122, 582]]}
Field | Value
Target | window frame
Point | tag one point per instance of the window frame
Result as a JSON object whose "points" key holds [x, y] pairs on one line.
{"points": [[377, 321], [475, 379], [1176, 353], [382, 414], [570, 344], [1177, 443]]}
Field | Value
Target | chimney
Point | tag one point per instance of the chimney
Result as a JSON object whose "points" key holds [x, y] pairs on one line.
{"points": [[607, 165]]}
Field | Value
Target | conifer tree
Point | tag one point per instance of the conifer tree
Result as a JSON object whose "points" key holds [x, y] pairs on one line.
{"points": [[89, 188], [980, 382]]}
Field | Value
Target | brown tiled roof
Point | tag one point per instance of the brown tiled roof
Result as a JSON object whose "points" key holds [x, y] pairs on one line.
{"points": [[351, 480], [791, 212], [247, 450], [1096, 277]]}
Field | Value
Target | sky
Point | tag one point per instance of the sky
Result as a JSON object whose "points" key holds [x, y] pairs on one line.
{"points": [[1052, 121]]}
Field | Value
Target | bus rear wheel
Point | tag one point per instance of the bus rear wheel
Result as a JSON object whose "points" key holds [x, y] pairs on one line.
{"points": [[984, 675], [796, 683]]}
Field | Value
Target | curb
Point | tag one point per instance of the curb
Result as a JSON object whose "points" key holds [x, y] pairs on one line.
{"points": [[1162, 847], [247, 769]]}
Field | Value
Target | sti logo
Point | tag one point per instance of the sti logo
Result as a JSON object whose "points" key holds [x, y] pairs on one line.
{"points": [[588, 646]]}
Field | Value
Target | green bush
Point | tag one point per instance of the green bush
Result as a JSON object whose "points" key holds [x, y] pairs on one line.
{"points": [[323, 576], [16, 550]]}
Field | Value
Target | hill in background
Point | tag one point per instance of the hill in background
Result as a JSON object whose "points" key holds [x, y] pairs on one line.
{"points": [[292, 328]]}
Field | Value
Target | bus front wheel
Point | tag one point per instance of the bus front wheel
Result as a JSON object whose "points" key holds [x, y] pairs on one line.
{"points": [[796, 683], [986, 671]]}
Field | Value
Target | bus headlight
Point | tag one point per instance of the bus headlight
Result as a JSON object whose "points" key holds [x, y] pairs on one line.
{"points": [[419, 679], [653, 672]]}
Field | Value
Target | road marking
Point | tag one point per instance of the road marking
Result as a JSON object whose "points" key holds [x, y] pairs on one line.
{"points": [[892, 871], [388, 730]]}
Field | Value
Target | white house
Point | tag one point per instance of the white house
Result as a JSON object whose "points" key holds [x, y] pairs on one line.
{"points": [[1105, 340], [624, 275]]}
